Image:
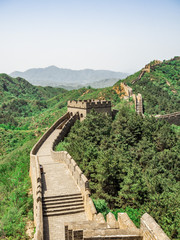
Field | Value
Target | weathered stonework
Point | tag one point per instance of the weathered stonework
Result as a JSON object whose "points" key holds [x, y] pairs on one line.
{"points": [[95, 227], [151, 230], [128, 90], [138, 103], [147, 69], [84, 107], [172, 118]]}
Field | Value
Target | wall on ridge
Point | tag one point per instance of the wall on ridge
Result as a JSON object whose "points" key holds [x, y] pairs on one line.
{"points": [[172, 118], [138, 103], [128, 90], [35, 175], [150, 229]]}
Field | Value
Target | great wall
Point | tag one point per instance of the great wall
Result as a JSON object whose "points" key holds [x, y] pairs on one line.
{"points": [[172, 118], [63, 208]]}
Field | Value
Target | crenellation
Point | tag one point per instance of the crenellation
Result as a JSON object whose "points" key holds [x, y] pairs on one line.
{"points": [[83, 107]]}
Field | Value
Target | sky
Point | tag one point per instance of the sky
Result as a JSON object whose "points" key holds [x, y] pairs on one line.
{"points": [[118, 35]]}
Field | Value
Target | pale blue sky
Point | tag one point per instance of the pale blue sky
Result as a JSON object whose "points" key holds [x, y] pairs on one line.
{"points": [[119, 35]]}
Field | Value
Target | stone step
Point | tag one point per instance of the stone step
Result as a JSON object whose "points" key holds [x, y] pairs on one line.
{"points": [[61, 196], [56, 205], [61, 209], [64, 212], [62, 200]]}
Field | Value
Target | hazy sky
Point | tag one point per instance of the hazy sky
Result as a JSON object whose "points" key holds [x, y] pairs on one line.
{"points": [[119, 35]]}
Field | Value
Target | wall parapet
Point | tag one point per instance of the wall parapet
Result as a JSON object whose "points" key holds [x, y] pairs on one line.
{"points": [[151, 230], [48, 132], [138, 103], [172, 118], [37, 196], [89, 104]]}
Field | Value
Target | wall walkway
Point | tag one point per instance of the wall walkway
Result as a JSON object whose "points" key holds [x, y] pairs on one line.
{"points": [[50, 187], [57, 181], [63, 209]]}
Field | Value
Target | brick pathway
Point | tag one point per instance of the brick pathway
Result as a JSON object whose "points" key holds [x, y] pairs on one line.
{"points": [[57, 180]]}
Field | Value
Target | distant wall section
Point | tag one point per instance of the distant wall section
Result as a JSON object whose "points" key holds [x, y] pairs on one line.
{"points": [[172, 118]]}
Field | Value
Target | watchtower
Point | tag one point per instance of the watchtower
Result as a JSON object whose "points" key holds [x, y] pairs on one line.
{"points": [[85, 106]]}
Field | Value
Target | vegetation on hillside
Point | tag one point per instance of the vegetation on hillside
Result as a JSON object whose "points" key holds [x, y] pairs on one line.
{"points": [[131, 162], [130, 152], [160, 88], [26, 112]]}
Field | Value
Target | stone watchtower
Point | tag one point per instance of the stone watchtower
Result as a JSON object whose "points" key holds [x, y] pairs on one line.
{"points": [[83, 107]]}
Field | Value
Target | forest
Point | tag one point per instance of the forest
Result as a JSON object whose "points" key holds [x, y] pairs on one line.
{"points": [[160, 88], [132, 162]]}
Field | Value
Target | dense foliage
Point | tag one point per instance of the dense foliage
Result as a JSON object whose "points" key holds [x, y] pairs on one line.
{"points": [[160, 88], [131, 162], [25, 113]]}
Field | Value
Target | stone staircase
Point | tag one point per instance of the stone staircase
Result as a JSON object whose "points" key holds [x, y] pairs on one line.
{"points": [[62, 205], [91, 230]]}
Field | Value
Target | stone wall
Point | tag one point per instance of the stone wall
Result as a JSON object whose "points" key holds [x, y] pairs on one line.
{"points": [[151, 230], [93, 230], [128, 90], [172, 118], [79, 178], [121, 229], [48, 133], [35, 175], [65, 127], [37, 196], [81, 181], [89, 104], [147, 69], [138, 103], [125, 222], [84, 107]]}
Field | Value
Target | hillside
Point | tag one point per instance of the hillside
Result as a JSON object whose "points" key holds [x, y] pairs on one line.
{"points": [[26, 111], [159, 86], [54, 76], [131, 162]]}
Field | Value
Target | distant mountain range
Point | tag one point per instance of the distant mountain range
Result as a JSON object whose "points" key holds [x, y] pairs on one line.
{"points": [[70, 79]]}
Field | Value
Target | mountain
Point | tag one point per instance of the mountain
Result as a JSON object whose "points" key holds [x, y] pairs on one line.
{"points": [[97, 84], [54, 76], [159, 84]]}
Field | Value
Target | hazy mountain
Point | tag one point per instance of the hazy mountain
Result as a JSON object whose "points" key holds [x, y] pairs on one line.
{"points": [[54, 76], [97, 84]]}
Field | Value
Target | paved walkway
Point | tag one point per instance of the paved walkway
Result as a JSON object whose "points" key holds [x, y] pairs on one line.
{"points": [[57, 180]]}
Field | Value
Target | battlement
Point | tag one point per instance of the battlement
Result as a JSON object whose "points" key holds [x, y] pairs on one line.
{"points": [[89, 104], [83, 107]]}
